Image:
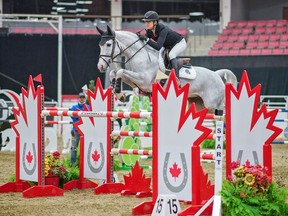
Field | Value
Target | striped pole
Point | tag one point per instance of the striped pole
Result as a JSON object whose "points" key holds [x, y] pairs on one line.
{"points": [[8, 108], [132, 133], [212, 116], [279, 110], [131, 151], [7, 120], [97, 114], [204, 156], [281, 120], [210, 137], [280, 138], [56, 108], [58, 122], [144, 123], [279, 142], [45, 122]]}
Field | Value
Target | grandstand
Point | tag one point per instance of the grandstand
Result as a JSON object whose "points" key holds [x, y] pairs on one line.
{"points": [[262, 37]]}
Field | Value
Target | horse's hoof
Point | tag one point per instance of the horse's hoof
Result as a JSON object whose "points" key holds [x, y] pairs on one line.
{"points": [[121, 97]]}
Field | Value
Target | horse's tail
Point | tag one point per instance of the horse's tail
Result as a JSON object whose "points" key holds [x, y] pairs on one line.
{"points": [[227, 76]]}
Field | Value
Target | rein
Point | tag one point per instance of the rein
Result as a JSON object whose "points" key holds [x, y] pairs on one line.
{"points": [[122, 51], [113, 58]]}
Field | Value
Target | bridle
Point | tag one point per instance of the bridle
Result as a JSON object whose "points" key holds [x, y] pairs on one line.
{"points": [[112, 57]]}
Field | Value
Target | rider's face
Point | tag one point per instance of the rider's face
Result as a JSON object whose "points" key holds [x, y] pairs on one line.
{"points": [[149, 25]]}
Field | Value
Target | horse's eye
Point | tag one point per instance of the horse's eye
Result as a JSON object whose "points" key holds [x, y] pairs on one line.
{"points": [[108, 44]]}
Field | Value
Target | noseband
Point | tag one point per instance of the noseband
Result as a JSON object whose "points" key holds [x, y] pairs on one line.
{"points": [[111, 57]]}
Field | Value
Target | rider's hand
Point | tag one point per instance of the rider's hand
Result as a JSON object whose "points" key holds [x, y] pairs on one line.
{"points": [[143, 37]]}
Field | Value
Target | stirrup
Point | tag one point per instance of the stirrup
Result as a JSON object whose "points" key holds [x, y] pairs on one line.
{"points": [[162, 82]]}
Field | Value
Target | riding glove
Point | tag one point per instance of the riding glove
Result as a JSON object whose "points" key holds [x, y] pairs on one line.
{"points": [[143, 37]]}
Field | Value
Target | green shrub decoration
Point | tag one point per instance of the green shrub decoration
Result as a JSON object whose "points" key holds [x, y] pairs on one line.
{"points": [[210, 144], [251, 192]]}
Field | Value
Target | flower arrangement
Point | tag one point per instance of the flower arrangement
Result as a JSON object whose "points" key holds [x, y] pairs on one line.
{"points": [[54, 166], [251, 192]]}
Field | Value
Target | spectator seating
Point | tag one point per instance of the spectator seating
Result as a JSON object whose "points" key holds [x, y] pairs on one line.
{"points": [[262, 37]]}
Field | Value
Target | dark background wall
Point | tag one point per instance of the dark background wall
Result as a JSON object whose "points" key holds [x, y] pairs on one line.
{"points": [[24, 55], [270, 71]]}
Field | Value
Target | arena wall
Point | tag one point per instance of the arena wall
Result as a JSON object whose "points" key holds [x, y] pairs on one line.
{"points": [[23, 55]]}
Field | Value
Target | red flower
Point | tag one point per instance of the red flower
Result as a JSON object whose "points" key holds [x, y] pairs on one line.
{"points": [[235, 164], [247, 164], [229, 178], [56, 154]]}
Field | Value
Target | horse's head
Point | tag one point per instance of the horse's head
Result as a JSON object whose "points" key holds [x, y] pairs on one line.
{"points": [[107, 48]]}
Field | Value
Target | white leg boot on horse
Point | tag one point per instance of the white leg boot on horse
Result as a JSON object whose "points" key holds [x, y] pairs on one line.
{"points": [[116, 85], [118, 90]]}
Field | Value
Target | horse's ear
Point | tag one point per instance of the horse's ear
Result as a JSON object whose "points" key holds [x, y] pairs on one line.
{"points": [[99, 30], [110, 31]]}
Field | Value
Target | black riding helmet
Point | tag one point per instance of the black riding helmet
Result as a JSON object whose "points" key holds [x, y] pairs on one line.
{"points": [[151, 16]]}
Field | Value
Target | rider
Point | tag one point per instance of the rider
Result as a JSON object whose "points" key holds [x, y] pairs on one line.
{"points": [[159, 35]]}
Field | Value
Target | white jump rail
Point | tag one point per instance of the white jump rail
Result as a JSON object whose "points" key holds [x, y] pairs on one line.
{"points": [[97, 114]]}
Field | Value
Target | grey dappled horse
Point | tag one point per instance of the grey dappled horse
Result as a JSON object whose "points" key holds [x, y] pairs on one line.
{"points": [[141, 66]]}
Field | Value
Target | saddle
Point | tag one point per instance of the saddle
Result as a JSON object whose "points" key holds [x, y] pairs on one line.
{"points": [[181, 61], [185, 68]]}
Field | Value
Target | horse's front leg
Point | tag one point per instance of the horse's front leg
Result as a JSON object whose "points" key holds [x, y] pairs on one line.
{"points": [[115, 85], [136, 79], [112, 76], [120, 76]]}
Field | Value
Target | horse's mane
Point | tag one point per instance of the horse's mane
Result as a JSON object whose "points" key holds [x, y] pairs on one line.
{"points": [[126, 34], [128, 38]]}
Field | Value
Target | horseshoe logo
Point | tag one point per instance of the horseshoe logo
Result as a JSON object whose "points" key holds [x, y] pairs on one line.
{"points": [[29, 172], [95, 170], [185, 179]]}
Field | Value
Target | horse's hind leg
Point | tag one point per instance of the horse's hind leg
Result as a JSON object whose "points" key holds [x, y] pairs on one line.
{"points": [[199, 104]]}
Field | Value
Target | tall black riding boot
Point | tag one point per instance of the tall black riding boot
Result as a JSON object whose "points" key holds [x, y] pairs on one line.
{"points": [[174, 64]]}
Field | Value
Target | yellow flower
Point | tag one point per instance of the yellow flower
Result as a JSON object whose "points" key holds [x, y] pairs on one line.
{"points": [[249, 179], [239, 172]]}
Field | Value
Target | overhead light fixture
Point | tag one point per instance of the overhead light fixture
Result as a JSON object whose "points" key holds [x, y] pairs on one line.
{"points": [[60, 8], [196, 14]]}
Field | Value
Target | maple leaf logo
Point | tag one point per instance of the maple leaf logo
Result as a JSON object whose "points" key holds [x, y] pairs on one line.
{"points": [[95, 156], [251, 134], [187, 131], [137, 181], [93, 129], [175, 171], [29, 157], [26, 122]]}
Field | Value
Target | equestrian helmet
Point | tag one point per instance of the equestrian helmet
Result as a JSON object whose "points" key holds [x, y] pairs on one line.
{"points": [[151, 16]]}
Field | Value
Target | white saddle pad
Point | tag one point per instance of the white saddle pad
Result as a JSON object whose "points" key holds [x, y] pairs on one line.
{"points": [[187, 73], [160, 75]]}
